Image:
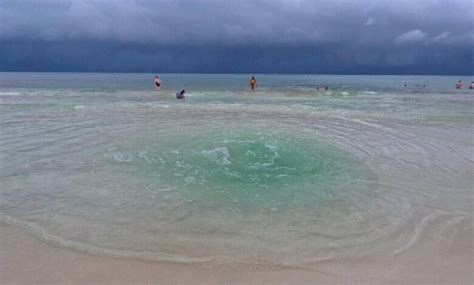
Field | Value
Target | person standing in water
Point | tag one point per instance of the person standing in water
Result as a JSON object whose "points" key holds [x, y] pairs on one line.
{"points": [[253, 83], [157, 82], [472, 85], [459, 84]]}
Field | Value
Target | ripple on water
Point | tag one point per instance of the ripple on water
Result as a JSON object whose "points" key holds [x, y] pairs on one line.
{"points": [[291, 188], [202, 193]]}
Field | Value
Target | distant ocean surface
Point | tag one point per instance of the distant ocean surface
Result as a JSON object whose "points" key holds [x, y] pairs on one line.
{"points": [[286, 176]]}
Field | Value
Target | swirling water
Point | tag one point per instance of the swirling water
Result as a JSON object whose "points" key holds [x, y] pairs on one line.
{"points": [[285, 176]]}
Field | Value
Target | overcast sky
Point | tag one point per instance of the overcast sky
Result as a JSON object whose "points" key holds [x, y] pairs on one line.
{"points": [[281, 36]]}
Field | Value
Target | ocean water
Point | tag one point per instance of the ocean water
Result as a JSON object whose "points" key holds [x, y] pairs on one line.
{"points": [[286, 176]]}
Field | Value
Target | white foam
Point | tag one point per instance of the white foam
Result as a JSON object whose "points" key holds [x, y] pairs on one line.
{"points": [[10, 93], [220, 155], [43, 234], [120, 157], [164, 106]]}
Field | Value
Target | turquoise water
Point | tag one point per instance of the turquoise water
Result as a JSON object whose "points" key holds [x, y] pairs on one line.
{"points": [[256, 170], [285, 176]]}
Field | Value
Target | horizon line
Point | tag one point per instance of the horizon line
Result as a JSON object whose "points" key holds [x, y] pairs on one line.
{"points": [[224, 73]]}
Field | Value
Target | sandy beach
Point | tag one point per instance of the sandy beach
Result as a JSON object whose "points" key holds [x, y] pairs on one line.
{"points": [[28, 260], [369, 183], [237, 142]]}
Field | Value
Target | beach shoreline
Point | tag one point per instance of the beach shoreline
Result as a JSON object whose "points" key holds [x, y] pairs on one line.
{"points": [[370, 183], [29, 260]]}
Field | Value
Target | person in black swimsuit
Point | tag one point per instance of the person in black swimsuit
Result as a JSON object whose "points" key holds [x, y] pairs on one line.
{"points": [[180, 95], [157, 82]]}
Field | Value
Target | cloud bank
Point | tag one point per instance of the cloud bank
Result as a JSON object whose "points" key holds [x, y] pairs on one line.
{"points": [[171, 22], [337, 30]]}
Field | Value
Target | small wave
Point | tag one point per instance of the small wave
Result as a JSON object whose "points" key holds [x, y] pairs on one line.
{"points": [[202, 262], [160, 106], [78, 107], [421, 228], [10, 93], [44, 235]]}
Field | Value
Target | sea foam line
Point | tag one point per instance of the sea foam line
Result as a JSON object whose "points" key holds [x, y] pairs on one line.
{"points": [[421, 227], [42, 234]]}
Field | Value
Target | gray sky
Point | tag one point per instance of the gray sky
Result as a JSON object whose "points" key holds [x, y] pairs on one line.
{"points": [[360, 35]]}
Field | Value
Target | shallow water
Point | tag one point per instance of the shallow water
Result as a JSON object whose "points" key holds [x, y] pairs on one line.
{"points": [[286, 176]]}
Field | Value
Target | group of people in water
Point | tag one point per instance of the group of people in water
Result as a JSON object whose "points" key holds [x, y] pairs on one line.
{"points": [[417, 85], [459, 85], [179, 95], [182, 93], [253, 86]]}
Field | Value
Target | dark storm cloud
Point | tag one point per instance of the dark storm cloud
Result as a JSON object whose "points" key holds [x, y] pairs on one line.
{"points": [[238, 22], [352, 33]]}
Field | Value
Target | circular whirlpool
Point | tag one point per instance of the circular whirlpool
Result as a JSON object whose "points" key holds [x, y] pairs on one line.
{"points": [[220, 185]]}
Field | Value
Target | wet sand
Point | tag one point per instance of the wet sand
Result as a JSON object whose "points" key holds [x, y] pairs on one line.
{"points": [[28, 260]]}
